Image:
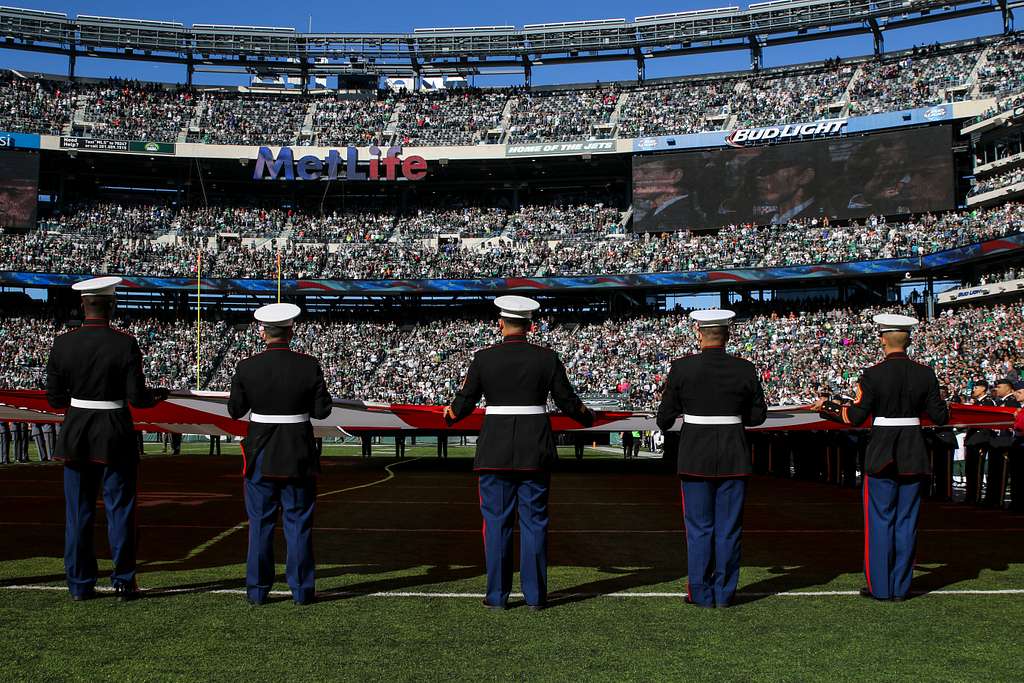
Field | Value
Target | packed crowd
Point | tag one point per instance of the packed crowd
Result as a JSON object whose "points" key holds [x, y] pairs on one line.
{"points": [[675, 108], [131, 110], [1001, 75], [462, 116], [28, 105], [624, 359], [233, 119], [994, 182], [343, 121], [547, 240], [799, 97], [912, 81], [563, 115]]}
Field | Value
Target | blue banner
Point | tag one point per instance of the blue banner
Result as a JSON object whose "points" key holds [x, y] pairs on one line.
{"points": [[19, 141], [856, 124], [765, 276]]}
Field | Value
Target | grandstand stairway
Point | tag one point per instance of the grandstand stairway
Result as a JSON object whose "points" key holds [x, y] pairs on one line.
{"points": [[616, 114], [390, 131], [77, 118], [848, 94], [506, 117], [306, 132], [975, 90], [195, 125]]}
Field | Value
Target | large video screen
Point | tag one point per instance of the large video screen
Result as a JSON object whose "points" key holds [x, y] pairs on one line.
{"points": [[19, 189], [909, 171]]}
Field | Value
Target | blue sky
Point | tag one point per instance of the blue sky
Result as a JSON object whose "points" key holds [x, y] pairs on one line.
{"points": [[399, 15]]}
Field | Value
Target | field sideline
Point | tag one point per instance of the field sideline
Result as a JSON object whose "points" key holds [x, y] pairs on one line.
{"points": [[400, 575]]}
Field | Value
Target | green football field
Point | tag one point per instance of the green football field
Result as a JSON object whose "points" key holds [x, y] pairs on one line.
{"points": [[400, 578]]}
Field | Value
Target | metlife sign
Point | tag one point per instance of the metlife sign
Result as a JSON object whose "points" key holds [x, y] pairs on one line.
{"points": [[18, 141]]}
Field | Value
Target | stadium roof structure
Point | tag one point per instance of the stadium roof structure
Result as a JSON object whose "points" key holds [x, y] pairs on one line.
{"points": [[472, 49]]}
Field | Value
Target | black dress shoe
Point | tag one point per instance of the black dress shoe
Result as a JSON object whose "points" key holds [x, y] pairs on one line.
{"points": [[82, 597], [538, 608], [127, 592], [897, 599], [723, 605], [866, 593], [308, 601], [689, 601], [494, 607]]}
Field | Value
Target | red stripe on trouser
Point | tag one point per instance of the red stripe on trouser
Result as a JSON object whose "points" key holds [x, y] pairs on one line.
{"points": [[245, 462], [682, 501], [867, 535], [483, 530]]}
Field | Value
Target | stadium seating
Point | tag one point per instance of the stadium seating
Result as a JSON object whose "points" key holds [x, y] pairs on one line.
{"points": [[463, 116], [580, 239], [624, 359]]}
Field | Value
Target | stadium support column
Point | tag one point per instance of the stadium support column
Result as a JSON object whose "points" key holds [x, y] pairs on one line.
{"points": [[755, 52], [72, 58], [527, 71], [304, 70], [876, 32], [190, 69], [641, 68], [929, 299], [1007, 16]]}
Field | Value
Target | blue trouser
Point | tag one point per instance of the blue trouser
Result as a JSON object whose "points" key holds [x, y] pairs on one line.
{"points": [[891, 507], [296, 498], [713, 513], [499, 495], [81, 485]]}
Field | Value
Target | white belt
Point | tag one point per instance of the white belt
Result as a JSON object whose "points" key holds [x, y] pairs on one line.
{"points": [[897, 422], [712, 419], [279, 419], [96, 405], [517, 410]]}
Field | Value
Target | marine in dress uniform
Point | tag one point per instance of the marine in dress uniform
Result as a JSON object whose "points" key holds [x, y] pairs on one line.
{"points": [[94, 372], [999, 448], [42, 448], [717, 395], [5, 443], [516, 447], [283, 389], [976, 445], [20, 441], [1016, 461], [896, 392]]}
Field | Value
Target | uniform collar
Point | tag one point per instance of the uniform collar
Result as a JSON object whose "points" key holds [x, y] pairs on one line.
{"points": [[95, 322], [897, 354], [277, 346], [513, 338], [716, 347]]}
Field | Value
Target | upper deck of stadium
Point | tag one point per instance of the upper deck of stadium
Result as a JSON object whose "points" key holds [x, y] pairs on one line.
{"points": [[289, 102]]}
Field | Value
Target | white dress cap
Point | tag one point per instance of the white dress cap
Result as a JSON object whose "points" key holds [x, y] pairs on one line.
{"points": [[713, 318], [98, 286], [281, 315], [516, 307], [890, 322]]}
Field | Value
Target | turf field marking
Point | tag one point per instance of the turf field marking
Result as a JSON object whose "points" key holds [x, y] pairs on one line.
{"points": [[242, 525], [387, 468], [555, 595], [227, 533]]}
